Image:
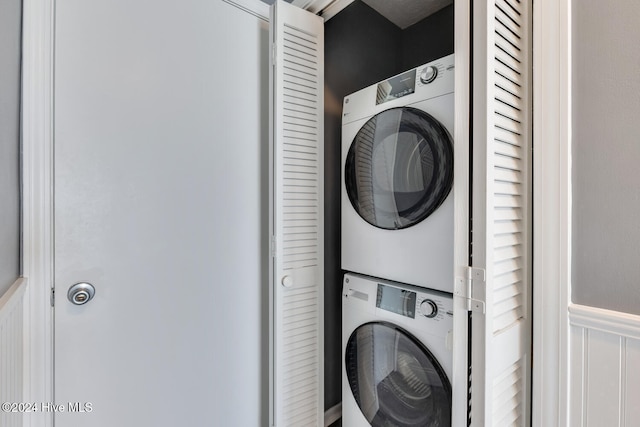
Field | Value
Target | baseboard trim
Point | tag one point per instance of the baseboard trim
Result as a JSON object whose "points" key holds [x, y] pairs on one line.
{"points": [[614, 322], [332, 414]]}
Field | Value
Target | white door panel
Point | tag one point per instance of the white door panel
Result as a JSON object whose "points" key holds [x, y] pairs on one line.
{"points": [[160, 176], [297, 217], [501, 211]]}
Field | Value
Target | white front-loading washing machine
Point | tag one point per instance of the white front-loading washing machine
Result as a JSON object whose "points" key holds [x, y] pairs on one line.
{"points": [[396, 344], [397, 175]]}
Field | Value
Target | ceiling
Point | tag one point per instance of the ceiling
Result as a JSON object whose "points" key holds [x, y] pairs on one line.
{"points": [[405, 13]]}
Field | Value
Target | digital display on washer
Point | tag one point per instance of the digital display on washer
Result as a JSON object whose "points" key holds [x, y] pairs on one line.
{"points": [[399, 301], [396, 87]]}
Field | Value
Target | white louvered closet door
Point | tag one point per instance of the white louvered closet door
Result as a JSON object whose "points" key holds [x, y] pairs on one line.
{"points": [[297, 136], [501, 212]]}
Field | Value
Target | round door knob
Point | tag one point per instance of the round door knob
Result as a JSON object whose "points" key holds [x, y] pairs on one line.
{"points": [[429, 74], [81, 293], [287, 281], [429, 308]]}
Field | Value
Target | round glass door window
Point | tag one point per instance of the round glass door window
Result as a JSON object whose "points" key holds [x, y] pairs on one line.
{"points": [[399, 168], [395, 380]]}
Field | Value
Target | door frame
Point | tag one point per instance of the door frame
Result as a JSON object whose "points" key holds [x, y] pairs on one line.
{"points": [[37, 203], [551, 209]]}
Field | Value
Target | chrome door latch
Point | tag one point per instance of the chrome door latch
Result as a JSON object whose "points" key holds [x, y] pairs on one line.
{"points": [[81, 293]]}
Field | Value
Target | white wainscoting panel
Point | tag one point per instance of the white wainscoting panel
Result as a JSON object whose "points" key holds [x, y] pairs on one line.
{"points": [[605, 368], [11, 352]]}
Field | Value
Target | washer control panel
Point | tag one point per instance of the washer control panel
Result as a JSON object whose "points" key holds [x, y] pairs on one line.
{"points": [[405, 305], [404, 300]]}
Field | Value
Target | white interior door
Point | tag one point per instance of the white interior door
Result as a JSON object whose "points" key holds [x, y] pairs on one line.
{"points": [[161, 169], [501, 214], [297, 285]]}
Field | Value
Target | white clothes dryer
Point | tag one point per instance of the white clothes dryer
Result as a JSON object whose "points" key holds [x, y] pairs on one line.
{"points": [[396, 344], [397, 175]]}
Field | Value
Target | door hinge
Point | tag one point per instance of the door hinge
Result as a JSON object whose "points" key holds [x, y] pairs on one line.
{"points": [[273, 246], [53, 297], [273, 55], [465, 287]]}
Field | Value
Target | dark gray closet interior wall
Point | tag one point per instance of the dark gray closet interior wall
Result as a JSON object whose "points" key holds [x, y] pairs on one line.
{"points": [[429, 39], [361, 48], [10, 39], [606, 155]]}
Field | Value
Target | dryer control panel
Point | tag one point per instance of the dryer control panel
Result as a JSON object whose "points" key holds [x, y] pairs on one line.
{"points": [[427, 81]]}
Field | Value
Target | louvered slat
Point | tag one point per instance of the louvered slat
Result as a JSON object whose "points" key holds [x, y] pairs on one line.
{"points": [[507, 388], [506, 161], [506, 72], [507, 240], [11, 348], [507, 175], [505, 292], [509, 130], [508, 137]]}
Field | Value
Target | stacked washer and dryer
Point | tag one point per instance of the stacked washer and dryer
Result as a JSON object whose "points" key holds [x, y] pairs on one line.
{"points": [[397, 246]]}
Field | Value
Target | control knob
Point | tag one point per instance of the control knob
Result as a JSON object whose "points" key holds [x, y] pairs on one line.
{"points": [[429, 308], [429, 74]]}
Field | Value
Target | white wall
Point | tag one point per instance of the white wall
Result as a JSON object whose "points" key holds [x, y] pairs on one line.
{"points": [[606, 154], [10, 38], [604, 336]]}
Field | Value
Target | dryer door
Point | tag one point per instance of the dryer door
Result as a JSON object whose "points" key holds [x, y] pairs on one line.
{"points": [[399, 168], [395, 379]]}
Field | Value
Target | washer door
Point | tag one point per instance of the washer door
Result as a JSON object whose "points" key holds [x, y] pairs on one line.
{"points": [[399, 168], [395, 380]]}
